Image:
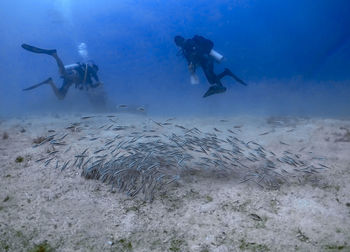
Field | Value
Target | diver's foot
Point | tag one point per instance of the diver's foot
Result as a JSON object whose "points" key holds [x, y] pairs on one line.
{"points": [[47, 81], [38, 50], [217, 89], [228, 72]]}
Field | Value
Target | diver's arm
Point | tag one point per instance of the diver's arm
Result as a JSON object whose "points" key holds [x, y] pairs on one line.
{"points": [[189, 51], [97, 81], [94, 75], [191, 67], [190, 63]]}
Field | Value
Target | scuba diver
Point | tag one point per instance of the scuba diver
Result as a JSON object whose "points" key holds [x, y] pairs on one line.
{"points": [[80, 74], [198, 51]]}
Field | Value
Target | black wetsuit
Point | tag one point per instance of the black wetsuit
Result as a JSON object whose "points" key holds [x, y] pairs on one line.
{"points": [[196, 52]]}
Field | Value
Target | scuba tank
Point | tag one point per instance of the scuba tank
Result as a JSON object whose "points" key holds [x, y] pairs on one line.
{"points": [[217, 56], [71, 66]]}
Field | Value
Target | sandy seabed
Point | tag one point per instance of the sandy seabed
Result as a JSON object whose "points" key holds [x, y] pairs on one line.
{"points": [[42, 207]]}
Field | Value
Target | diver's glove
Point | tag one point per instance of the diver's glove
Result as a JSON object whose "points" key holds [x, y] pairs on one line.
{"points": [[191, 68]]}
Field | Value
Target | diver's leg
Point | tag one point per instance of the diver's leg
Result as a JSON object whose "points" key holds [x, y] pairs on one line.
{"points": [[228, 72], [215, 88], [208, 69], [224, 73], [213, 79], [60, 65], [52, 52], [60, 93]]}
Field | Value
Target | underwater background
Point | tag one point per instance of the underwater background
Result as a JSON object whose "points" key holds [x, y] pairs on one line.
{"points": [[294, 55]]}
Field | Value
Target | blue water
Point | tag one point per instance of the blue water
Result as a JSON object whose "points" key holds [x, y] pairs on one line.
{"points": [[294, 54]]}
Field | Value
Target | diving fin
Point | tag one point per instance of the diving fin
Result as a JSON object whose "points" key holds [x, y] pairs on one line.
{"points": [[214, 90], [38, 85], [235, 77], [37, 50]]}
